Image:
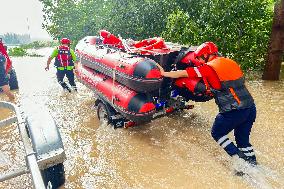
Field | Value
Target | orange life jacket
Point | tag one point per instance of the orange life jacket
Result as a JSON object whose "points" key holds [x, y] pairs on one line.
{"points": [[233, 94]]}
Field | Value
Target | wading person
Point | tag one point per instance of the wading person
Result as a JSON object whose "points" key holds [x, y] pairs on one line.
{"points": [[4, 81], [237, 110], [64, 63]]}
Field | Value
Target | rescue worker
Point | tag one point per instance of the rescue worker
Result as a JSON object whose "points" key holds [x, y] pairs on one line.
{"points": [[64, 63], [237, 111], [4, 81]]}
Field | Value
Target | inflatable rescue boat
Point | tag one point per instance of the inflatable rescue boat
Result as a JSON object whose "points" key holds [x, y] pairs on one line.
{"points": [[136, 72], [124, 76], [134, 106]]}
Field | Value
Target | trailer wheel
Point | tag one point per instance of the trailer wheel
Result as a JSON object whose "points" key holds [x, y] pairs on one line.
{"points": [[103, 112], [13, 81], [54, 177]]}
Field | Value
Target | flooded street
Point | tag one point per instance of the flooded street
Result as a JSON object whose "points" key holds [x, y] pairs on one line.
{"points": [[171, 152]]}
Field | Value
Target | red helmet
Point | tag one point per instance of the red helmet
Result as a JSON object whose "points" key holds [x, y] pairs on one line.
{"points": [[206, 48], [65, 41]]}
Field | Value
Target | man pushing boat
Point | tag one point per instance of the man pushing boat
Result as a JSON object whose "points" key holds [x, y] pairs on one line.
{"points": [[237, 111]]}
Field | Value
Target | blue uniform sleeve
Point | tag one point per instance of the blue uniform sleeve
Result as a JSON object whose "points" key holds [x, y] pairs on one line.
{"points": [[3, 76]]}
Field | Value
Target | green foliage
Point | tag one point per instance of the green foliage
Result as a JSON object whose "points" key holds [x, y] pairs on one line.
{"points": [[140, 19], [17, 51], [181, 29], [39, 44], [20, 51], [240, 28]]}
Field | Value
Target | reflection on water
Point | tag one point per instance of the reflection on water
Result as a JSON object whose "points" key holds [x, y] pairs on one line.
{"points": [[171, 152]]}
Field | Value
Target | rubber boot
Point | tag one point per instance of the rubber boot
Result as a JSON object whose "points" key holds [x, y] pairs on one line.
{"points": [[238, 165], [65, 87], [250, 159], [242, 163], [75, 88]]}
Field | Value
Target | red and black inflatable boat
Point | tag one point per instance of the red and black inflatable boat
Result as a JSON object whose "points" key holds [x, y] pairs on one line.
{"points": [[136, 72], [127, 82], [137, 107]]}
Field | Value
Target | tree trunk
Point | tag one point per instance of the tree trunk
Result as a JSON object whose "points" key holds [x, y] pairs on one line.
{"points": [[276, 44]]}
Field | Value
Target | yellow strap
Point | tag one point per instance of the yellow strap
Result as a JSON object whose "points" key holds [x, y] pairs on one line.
{"points": [[65, 68]]}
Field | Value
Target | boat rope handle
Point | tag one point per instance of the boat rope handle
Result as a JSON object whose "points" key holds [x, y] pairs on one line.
{"points": [[77, 65], [113, 80], [124, 43]]}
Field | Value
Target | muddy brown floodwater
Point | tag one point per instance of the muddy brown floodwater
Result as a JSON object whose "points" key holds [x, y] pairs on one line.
{"points": [[171, 152]]}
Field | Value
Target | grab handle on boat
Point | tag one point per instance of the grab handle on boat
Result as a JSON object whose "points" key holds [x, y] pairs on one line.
{"points": [[121, 66]]}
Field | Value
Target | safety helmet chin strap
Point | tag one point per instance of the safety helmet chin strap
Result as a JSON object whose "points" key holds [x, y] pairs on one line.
{"points": [[66, 45], [207, 58]]}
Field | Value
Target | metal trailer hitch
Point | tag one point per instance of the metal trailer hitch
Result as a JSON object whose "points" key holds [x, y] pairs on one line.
{"points": [[42, 143]]}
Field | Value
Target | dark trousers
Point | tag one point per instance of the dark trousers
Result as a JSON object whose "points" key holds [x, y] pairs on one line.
{"points": [[241, 122], [3, 76], [70, 76]]}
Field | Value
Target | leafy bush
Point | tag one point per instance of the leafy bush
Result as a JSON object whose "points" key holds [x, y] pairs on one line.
{"points": [[240, 28], [39, 44], [17, 51]]}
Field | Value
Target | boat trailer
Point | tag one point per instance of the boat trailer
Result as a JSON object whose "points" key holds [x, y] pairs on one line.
{"points": [[42, 143]]}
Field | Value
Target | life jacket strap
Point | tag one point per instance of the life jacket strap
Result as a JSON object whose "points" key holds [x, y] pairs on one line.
{"points": [[65, 68], [235, 95], [207, 86]]}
